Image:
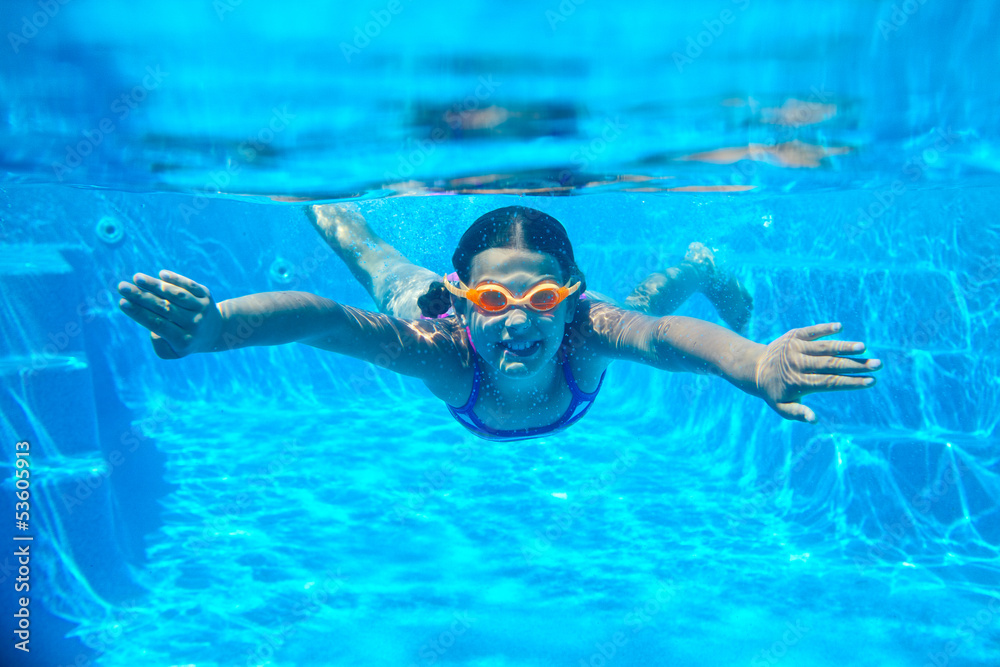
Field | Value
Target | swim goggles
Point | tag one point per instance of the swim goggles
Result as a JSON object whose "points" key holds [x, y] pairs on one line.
{"points": [[495, 298]]}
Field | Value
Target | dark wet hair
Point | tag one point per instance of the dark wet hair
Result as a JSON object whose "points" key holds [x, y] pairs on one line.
{"points": [[516, 227], [436, 301]]}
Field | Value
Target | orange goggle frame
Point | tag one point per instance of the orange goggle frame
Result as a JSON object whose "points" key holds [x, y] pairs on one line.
{"points": [[495, 298]]}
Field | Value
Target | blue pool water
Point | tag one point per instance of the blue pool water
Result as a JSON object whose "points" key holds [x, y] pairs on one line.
{"points": [[286, 506]]}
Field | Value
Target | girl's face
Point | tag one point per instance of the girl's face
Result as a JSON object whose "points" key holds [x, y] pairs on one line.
{"points": [[497, 336]]}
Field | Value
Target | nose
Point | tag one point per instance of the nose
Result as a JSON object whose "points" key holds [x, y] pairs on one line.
{"points": [[516, 319]]}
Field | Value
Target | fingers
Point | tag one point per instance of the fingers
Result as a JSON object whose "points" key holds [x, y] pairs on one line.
{"points": [[158, 324], [818, 331], [196, 290], [138, 300], [796, 412], [840, 365], [158, 296], [818, 382], [830, 347]]}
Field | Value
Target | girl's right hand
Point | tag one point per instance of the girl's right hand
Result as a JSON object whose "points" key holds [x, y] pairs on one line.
{"points": [[181, 315]]}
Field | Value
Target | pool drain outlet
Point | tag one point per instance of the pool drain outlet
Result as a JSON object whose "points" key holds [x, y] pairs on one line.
{"points": [[282, 271], [110, 230]]}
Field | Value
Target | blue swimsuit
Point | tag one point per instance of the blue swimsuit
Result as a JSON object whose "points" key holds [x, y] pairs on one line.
{"points": [[577, 408]]}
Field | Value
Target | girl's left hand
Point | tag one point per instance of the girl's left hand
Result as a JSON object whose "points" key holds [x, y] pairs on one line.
{"points": [[798, 364]]}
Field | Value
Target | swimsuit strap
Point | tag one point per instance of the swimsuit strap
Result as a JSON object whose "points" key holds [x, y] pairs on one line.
{"points": [[578, 394], [468, 418], [467, 408]]}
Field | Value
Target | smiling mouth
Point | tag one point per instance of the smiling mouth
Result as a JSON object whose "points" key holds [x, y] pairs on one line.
{"points": [[521, 349]]}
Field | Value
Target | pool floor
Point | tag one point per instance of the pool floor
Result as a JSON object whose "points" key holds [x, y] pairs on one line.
{"points": [[354, 536]]}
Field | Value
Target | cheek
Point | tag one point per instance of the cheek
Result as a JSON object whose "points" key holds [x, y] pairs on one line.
{"points": [[485, 325], [550, 325], [550, 321], [484, 331]]}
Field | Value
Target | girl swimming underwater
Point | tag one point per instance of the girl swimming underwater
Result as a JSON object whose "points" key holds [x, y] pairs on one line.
{"points": [[523, 355]]}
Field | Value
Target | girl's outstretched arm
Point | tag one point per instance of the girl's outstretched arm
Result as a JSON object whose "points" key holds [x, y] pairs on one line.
{"points": [[184, 319], [781, 373]]}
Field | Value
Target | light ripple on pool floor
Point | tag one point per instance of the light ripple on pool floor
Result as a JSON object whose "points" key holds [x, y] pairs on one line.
{"points": [[344, 536]]}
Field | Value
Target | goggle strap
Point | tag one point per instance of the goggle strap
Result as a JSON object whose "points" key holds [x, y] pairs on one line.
{"points": [[454, 290]]}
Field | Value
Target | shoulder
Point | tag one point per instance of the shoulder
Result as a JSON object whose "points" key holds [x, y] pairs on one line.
{"points": [[583, 345], [603, 330], [452, 376]]}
